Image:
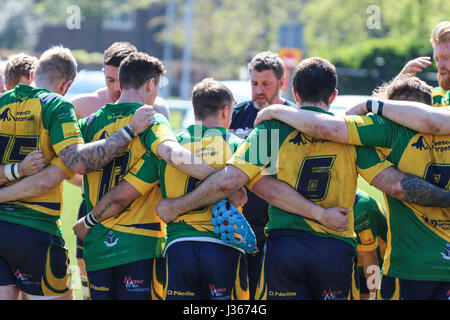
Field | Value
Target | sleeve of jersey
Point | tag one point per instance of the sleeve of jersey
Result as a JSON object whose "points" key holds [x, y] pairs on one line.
{"points": [[56, 161], [366, 240], [371, 131], [369, 163], [159, 132], [61, 122], [143, 176], [247, 157]]}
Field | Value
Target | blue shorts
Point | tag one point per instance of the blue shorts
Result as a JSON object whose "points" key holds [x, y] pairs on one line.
{"points": [[82, 212], [34, 261], [138, 280], [299, 265], [199, 270], [401, 289]]}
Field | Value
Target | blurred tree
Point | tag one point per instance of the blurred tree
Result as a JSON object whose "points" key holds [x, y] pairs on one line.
{"points": [[19, 25]]}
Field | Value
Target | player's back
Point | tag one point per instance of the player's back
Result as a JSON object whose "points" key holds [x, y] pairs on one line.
{"points": [[325, 172], [139, 233], [214, 146], [427, 235], [35, 119]]}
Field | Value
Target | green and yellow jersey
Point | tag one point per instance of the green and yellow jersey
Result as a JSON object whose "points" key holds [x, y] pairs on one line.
{"points": [[33, 119], [418, 237], [323, 171], [370, 227], [137, 234], [214, 146], [441, 97]]}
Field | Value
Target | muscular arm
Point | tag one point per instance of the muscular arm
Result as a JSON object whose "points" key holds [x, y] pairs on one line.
{"points": [[415, 115], [287, 198], [315, 124], [183, 160], [216, 187], [85, 158], [112, 203], [34, 185], [411, 189]]}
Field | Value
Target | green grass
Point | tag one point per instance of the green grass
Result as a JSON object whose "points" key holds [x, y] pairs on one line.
{"points": [[72, 200], [71, 203]]}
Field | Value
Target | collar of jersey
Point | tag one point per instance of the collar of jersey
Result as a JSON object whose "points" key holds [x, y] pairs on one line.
{"points": [[317, 109], [24, 90], [120, 107], [191, 129]]}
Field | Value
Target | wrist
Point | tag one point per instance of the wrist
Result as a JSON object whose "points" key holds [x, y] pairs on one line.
{"points": [[317, 213], [375, 106], [11, 171], [89, 221]]}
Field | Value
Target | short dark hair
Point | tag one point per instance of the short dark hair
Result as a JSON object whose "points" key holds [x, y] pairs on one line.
{"points": [[209, 97], [405, 87], [267, 60], [118, 51], [315, 79], [138, 68]]}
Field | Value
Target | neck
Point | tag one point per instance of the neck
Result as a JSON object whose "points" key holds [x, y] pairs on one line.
{"points": [[209, 122], [130, 96], [46, 85], [320, 105]]}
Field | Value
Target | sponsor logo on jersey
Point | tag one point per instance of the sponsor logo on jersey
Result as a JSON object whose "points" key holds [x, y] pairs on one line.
{"points": [[112, 240], [301, 139], [282, 294], [446, 253], [70, 130], [439, 146], [104, 135], [180, 293], [7, 115]]}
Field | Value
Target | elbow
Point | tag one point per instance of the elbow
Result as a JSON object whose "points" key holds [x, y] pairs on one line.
{"points": [[229, 183], [395, 190], [79, 168], [432, 126]]}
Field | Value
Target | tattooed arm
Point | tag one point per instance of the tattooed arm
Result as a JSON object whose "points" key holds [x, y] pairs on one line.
{"points": [[112, 203], [84, 158], [412, 189]]}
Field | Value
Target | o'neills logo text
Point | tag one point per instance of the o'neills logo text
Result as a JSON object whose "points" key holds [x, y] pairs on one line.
{"points": [[180, 293]]}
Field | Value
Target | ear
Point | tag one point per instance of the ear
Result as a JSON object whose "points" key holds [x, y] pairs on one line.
{"points": [[282, 81], [64, 87], [31, 76], [296, 96], [150, 84], [333, 96]]}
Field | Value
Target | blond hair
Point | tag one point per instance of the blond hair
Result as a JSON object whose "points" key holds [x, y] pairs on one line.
{"points": [[441, 33], [17, 66], [55, 64]]}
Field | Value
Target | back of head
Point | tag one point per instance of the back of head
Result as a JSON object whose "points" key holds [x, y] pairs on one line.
{"points": [[209, 97], [314, 80], [17, 66], [56, 64], [441, 33], [117, 52], [267, 60], [138, 68], [405, 87]]}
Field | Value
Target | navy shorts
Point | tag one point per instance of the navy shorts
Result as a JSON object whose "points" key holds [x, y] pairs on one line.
{"points": [[392, 288], [34, 261], [82, 212], [132, 281], [199, 270], [299, 265]]}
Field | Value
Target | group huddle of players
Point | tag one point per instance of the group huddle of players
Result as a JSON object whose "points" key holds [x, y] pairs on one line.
{"points": [[144, 228]]}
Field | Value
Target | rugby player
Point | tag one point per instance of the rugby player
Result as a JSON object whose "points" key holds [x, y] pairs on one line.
{"points": [[317, 168], [440, 40], [371, 236], [38, 118], [18, 69], [418, 234], [267, 78], [192, 234]]}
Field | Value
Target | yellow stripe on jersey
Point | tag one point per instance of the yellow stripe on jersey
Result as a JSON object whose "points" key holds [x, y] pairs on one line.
{"points": [[370, 173], [163, 134], [138, 184], [353, 122]]}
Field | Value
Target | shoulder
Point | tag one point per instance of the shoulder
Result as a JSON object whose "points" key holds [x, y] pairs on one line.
{"points": [[86, 104], [242, 107]]}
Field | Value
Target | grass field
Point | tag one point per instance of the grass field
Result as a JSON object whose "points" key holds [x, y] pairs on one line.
{"points": [[72, 199]]}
